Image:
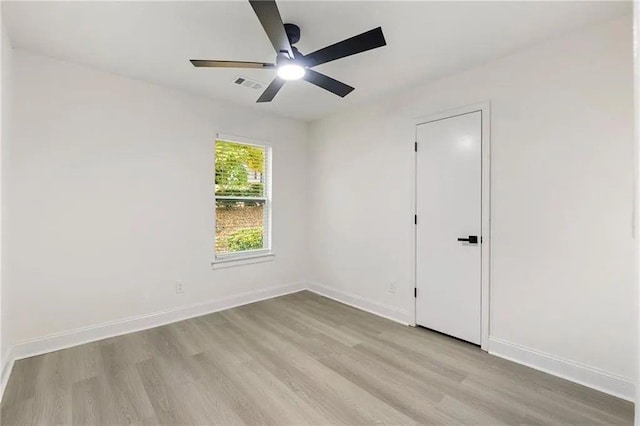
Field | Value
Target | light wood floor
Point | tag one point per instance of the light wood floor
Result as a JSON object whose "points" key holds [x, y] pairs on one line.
{"points": [[298, 359]]}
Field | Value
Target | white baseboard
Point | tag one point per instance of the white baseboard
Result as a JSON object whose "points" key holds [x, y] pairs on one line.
{"points": [[583, 374], [7, 366], [362, 303], [66, 339], [601, 380]]}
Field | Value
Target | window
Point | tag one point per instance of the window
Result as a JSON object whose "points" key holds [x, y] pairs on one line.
{"points": [[242, 198]]}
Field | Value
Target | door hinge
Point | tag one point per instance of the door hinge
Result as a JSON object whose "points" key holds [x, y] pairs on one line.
{"points": [[415, 147], [415, 292], [415, 219]]}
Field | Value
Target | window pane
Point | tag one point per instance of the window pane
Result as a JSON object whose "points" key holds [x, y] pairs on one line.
{"points": [[239, 225], [240, 170]]}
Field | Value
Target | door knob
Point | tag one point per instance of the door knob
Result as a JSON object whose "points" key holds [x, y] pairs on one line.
{"points": [[473, 239]]}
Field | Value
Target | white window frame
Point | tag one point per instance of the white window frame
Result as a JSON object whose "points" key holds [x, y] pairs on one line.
{"points": [[245, 257]]}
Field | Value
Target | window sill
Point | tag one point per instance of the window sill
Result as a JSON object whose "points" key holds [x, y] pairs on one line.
{"points": [[240, 260]]}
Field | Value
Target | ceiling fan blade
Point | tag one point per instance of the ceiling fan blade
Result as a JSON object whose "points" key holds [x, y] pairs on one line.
{"points": [[272, 90], [230, 64], [357, 44], [269, 16], [328, 83]]}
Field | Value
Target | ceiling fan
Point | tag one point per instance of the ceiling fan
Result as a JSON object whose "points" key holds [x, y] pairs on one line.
{"points": [[290, 63]]}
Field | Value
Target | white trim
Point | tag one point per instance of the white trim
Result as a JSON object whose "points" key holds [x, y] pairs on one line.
{"points": [[604, 381], [227, 137], [6, 370], [612, 384], [636, 188], [380, 309], [247, 258], [485, 109], [267, 219], [230, 256], [594, 378], [66, 339], [232, 198]]}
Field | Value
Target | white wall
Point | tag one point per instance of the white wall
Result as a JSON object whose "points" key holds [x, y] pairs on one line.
{"points": [[562, 277], [636, 52], [110, 199], [6, 53]]}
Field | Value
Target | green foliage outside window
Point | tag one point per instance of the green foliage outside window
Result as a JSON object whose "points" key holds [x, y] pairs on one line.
{"points": [[245, 239], [239, 170]]}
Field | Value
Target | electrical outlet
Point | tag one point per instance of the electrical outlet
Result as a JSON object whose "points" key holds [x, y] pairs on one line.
{"points": [[392, 287], [179, 287]]}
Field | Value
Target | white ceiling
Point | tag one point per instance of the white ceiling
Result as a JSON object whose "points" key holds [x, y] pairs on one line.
{"points": [[153, 41]]}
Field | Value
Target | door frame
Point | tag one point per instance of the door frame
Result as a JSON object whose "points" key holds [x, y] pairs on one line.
{"points": [[485, 290]]}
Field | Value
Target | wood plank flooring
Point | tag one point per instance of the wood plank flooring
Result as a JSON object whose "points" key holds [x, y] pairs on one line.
{"points": [[294, 360]]}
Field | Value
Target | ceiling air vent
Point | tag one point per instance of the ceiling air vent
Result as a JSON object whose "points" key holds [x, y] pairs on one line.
{"points": [[251, 84]]}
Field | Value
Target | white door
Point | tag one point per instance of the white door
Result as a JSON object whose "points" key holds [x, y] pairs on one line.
{"points": [[448, 207]]}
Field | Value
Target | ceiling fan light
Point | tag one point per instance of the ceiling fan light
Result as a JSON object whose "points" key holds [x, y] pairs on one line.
{"points": [[291, 72]]}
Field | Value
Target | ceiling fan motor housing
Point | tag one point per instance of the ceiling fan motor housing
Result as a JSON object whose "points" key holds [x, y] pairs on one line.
{"points": [[293, 33]]}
